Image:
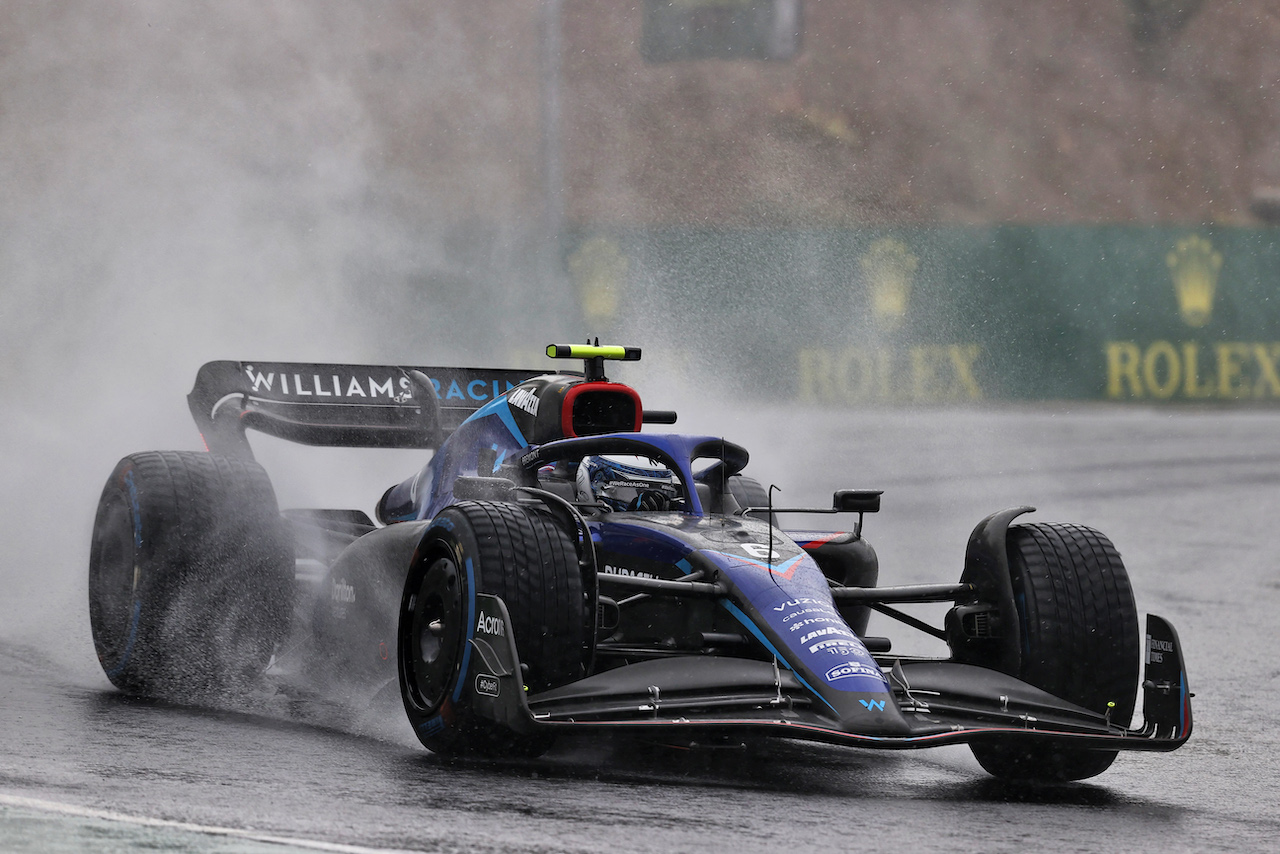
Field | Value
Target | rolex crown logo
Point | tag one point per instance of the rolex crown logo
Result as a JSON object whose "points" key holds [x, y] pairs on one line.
{"points": [[598, 269], [1195, 265], [889, 268]]}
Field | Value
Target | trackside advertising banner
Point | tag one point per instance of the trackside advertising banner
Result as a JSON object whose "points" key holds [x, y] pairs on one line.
{"points": [[952, 314]]}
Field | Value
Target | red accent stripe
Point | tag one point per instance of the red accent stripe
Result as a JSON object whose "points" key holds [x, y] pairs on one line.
{"points": [[813, 544], [566, 408]]}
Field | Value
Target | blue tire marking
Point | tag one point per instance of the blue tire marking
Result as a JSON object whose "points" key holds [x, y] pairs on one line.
{"points": [[133, 503], [133, 635], [471, 622], [1182, 706], [137, 603]]}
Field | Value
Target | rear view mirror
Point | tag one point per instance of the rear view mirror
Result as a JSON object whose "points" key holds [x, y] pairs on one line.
{"points": [[857, 500]]}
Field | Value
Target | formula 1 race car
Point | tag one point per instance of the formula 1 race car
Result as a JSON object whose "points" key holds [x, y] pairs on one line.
{"points": [[553, 569]]}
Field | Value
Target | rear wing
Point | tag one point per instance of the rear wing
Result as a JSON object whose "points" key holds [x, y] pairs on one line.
{"points": [[354, 406]]}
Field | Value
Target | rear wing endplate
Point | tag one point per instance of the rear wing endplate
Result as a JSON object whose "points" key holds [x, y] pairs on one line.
{"points": [[354, 406]]}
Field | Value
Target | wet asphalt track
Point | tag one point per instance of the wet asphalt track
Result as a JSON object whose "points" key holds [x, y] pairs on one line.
{"points": [[1191, 498]]}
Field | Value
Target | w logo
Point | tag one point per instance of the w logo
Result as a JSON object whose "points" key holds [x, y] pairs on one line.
{"points": [[878, 705]]}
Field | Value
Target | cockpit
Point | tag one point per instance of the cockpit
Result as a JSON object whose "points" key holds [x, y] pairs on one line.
{"points": [[650, 473]]}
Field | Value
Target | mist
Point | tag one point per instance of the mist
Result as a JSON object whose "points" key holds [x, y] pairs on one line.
{"points": [[337, 183], [206, 181], [807, 249]]}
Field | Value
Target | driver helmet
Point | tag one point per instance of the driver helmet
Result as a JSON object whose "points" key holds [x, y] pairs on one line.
{"points": [[620, 486]]}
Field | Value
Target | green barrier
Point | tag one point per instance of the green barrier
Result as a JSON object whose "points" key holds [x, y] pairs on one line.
{"points": [[953, 313]]}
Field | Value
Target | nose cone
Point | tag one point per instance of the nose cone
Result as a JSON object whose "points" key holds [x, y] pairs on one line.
{"points": [[870, 713]]}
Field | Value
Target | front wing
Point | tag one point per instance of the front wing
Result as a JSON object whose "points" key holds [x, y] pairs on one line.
{"points": [[942, 702]]}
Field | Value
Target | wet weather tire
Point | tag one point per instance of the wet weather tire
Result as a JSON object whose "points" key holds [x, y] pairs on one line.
{"points": [[525, 558], [748, 491], [1079, 627], [190, 576]]}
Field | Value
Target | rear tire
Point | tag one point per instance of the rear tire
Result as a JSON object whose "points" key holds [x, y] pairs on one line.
{"points": [[1080, 642], [190, 576], [525, 558], [749, 492]]}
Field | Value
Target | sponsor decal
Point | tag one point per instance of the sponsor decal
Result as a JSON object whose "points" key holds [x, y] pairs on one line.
{"points": [[830, 630], [851, 668], [834, 645], [342, 591], [488, 625], [878, 705], [475, 390], [888, 268], [930, 372], [804, 611], [487, 685], [432, 726], [610, 569], [1156, 649], [1192, 370], [759, 550], [796, 603], [800, 613], [338, 386], [523, 399], [1194, 266], [599, 269], [811, 621]]}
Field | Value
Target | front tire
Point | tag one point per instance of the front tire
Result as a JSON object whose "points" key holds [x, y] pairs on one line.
{"points": [[525, 558], [190, 576], [1080, 642]]}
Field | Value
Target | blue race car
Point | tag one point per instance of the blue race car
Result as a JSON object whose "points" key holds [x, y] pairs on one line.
{"points": [[554, 569]]}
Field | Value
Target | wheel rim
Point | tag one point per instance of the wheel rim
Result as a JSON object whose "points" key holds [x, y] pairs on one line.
{"points": [[433, 645], [113, 578]]}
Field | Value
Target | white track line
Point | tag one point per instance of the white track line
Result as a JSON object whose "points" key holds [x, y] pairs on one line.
{"points": [[231, 832]]}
